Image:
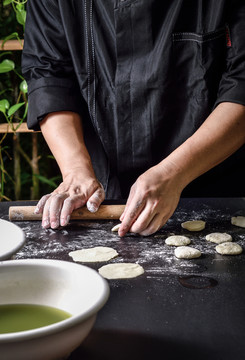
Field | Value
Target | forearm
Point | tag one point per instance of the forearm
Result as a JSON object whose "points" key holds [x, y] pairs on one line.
{"points": [[64, 135], [220, 136], [155, 195]]}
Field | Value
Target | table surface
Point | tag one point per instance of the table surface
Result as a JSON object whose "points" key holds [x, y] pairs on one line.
{"points": [[189, 309]]}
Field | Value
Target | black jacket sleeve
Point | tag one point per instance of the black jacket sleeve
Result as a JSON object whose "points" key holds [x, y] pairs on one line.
{"points": [[232, 85], [46, 63]]}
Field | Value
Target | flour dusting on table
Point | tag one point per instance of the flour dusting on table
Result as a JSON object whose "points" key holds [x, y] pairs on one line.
{"points": [[151, 252]]}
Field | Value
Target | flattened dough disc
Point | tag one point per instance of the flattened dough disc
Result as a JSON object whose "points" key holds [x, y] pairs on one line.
{"points": [[121, 271], [238, 221], [219, 238], [116, 227], [177, 240], [229, 249], [194, 225], [95, 254], [187, 252]]}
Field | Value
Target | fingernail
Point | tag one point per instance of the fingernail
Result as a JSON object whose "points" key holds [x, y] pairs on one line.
{"points": [[45, 223], [121, 231], [36, 211], [64, 221], [54, 224], [91, 207]]}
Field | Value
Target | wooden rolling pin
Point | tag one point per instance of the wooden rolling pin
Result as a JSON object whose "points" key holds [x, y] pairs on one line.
{"points": [[26, 213]]}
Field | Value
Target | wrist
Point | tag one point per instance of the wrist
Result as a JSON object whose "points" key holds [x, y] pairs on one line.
{"points": [[172, 172], [84, 168]]}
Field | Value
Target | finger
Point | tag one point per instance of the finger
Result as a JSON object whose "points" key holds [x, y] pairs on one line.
{"points": [[143, 220], [154, 225], [55, 209], [96, 199], [70, 203], [45, 217], [130, 198], [124, 212], [134, 209], [41, 203], [51, 211]]}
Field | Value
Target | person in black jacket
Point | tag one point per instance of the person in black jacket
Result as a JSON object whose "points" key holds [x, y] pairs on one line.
{"points": [[137, 99]]}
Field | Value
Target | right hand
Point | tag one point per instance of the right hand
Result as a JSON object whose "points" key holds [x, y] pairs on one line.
{"points": [[76, 190]]}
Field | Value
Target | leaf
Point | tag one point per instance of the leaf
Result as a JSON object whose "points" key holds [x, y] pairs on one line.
{"points": [[7, 2], [6, 66], [46, 181], [4, 105], [14, 108], [13, 35], [19, 6], [23, 86], [21, 16], [4, 53]]}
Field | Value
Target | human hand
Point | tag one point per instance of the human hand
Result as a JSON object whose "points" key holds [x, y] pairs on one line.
{"points": [[75, 191], [152, 200]]}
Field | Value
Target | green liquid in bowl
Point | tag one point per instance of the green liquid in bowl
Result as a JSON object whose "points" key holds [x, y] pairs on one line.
{"points": [[22, 317]]}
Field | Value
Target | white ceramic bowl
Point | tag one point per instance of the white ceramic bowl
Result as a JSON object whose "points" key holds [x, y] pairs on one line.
{"points": [[12, 238], [74, 288]]}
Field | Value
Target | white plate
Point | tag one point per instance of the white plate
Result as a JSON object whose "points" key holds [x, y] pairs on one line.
{"points": [[12, 238]]}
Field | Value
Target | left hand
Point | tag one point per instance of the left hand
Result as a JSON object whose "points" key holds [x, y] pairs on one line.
{"points": [[78, 188], [152, 200]]}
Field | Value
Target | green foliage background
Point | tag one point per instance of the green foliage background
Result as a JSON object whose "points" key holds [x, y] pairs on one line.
{"points": [[17, 177]]}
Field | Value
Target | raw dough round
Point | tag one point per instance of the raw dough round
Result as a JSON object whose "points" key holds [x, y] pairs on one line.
{"points": [[229, 249], [95, 254], [187, 252], [218, 238], [121, 271], [238, 221], [194, 225], [177, 240], [116, 227]]}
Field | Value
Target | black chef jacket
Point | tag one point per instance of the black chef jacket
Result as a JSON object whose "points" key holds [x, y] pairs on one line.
{"points": [[144, 75]]}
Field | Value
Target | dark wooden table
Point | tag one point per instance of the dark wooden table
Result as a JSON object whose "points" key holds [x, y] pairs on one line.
{"points": [[178, 309]]}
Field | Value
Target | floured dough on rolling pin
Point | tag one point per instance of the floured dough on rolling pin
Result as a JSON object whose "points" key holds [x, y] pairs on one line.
{"points": [[219, 238], [95, 254], [194, 225], [238, 221], [177, 240], [187, 252], [121, 271], [228, 248]]}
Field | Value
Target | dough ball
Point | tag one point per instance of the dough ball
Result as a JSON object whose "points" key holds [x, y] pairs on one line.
{"points": [[229, 248], [116, 227], [238, 221], [177, 240], [95, 254], [194, 225], [187, 252], [121, 271], [218, 238]]}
